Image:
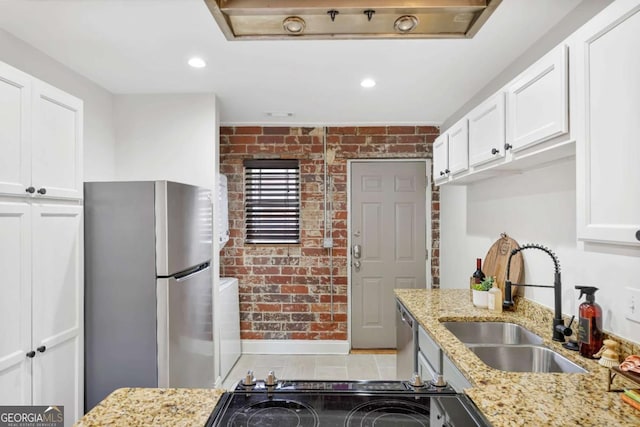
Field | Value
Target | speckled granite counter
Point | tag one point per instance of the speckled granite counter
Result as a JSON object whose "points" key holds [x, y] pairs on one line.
{"points": [[520, 399], [153, 407]]}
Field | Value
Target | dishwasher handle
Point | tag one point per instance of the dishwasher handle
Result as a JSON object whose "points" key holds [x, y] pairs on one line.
{"points": [[405, 316]]}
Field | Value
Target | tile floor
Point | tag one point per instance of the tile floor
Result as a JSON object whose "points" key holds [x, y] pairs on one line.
{"points": [[315, 367]]}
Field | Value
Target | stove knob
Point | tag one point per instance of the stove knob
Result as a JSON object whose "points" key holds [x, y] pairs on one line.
{"points": [[271, 379], [416, 381], [249, 379]]}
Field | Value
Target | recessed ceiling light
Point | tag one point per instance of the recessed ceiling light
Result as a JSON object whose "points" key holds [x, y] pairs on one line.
{"points": [[294, 25], [405, 23], [278, 114], [196, 62], [368, 83]]}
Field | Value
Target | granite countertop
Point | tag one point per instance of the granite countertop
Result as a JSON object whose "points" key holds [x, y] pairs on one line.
{"points": [[153, 407], [521, 399]]}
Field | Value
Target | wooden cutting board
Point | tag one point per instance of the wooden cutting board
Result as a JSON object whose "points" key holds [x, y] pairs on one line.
{"points": [[495, 263]]}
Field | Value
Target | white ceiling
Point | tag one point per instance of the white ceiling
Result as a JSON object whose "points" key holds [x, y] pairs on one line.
{"points": [[142, 46]]}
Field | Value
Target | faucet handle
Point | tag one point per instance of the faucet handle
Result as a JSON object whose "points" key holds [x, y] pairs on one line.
{"points": [[566, 330]]}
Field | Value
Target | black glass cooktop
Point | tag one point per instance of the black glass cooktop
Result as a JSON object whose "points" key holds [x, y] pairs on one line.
{"points": [[313, 408]]}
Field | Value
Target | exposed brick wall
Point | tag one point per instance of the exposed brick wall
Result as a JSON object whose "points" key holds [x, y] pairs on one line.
{"points": [[285, 289]]}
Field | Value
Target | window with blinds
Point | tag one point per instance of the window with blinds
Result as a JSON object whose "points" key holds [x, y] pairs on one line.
{"points": [[272, 201]]}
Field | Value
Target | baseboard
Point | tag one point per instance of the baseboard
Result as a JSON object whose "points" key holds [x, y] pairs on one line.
{"points": [[294, 347]]}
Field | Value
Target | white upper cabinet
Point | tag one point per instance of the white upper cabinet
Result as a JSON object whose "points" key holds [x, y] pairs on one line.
{"points": [[606, 122], [57, 142], [486, 130], [15, 130], [458, 147], [40, 138], [538, 101], [441, 158]]}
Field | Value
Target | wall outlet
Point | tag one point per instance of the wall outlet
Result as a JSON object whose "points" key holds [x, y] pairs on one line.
{"points": [[327, 243], [632, 302]]}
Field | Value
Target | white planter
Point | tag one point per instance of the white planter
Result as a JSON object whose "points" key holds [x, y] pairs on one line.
{"points": [[480, 298]]}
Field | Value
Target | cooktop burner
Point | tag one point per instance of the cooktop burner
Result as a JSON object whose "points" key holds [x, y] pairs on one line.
{"points": [[342, 404], [276, 413]]}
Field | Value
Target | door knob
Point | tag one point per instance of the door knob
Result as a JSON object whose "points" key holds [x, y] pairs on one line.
{"points": [[356, 265], [357, 251]]}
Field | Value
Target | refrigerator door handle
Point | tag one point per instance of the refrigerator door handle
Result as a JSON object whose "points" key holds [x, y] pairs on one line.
{"points": [[188, 274]]}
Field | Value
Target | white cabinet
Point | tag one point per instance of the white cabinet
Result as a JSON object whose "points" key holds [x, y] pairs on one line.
{"points": [[606, 121], [15, 130], [451, 152], [41, 349], [40, 138], [41, 248], [441, 158], [486, 131], [15, 304], [57, 306], [538, 101], [458, 147]]}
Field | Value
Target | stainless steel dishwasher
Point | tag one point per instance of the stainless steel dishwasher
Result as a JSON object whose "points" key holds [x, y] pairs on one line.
{"points": [[406, 343]]}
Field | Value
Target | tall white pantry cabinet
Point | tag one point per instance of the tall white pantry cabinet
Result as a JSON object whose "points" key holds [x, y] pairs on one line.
{"points": [[41, 246]]}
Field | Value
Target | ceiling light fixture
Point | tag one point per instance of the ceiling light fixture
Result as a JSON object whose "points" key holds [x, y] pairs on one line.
{"points": [[278, 114], [405, 24], [368, 83], [196, 62], [293, 25]]}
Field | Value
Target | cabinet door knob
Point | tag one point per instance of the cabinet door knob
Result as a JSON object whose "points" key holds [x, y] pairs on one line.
{"points": [[30, 190], [507, 147], [31, 354], [638, 235], [447, 171], [441, 173], [42, 348], [42, 190], [494, 151]]}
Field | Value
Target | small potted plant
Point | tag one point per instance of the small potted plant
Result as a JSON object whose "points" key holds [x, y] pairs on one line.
{"points": [[480, 292]]}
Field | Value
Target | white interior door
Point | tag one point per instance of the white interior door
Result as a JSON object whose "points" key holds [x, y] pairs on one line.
{"points": [[15, 304], [57, 308], [388, 237]]}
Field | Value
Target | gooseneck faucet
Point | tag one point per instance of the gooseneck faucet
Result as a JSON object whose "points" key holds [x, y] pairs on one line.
{"points": [[559, 328]]}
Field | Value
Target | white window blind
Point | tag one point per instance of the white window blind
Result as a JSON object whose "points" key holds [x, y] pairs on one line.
{"points": [[272, 201]]}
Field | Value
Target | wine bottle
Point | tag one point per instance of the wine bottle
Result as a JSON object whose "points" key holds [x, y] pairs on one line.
{"points": [[478, 275]]}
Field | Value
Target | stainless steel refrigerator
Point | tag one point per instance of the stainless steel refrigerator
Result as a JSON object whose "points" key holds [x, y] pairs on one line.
{"points": [[148, 287]]}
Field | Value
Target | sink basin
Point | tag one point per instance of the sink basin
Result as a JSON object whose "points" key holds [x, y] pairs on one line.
{"points": [[492, 333], [524, 358]]}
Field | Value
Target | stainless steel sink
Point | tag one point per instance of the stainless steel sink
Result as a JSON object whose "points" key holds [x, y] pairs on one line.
{"points": [[492, 333], [524, 358]]}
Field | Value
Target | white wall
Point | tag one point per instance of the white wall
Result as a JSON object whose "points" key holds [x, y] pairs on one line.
{"points": [[538, 206], [99, 138], [168, 136]]}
